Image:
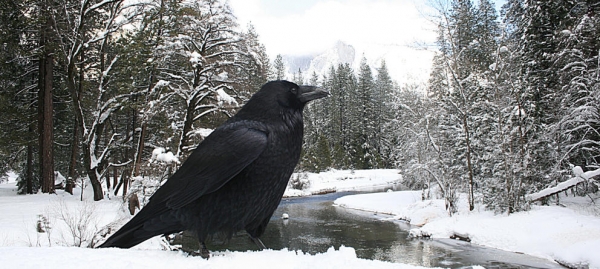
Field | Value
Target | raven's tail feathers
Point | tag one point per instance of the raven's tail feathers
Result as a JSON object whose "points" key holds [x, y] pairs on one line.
{"points": [[123, 238], [145, 225], [126, 238]]}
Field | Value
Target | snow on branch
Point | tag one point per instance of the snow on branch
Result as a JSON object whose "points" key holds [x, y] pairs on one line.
{"points": [[222, 96], [160, 155]]}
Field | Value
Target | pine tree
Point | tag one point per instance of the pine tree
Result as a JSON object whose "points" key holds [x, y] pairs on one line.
{"points": [[18, 95], [537, 25], [365, 131], [579, 117], [256, 69], [279, 67], [384, 88], [549, 64]]}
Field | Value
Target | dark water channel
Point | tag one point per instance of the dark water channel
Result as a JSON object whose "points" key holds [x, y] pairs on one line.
{"points": [[314, 225]]}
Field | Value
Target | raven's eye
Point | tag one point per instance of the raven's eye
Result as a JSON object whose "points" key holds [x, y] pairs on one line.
{"points": [[294, 90]]}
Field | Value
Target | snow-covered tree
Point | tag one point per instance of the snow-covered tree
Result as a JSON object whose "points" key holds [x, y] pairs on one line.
{"points": [[577, 128], [467, 35], [279, 68], [365, 120], [200, 57]]}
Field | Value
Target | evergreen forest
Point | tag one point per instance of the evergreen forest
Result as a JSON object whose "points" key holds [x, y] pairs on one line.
{"points": [[92, 91]]}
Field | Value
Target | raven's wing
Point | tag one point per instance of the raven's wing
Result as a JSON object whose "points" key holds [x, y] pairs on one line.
{"points": [[221, 156]]}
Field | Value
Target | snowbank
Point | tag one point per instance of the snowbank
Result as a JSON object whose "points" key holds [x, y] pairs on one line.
{"points": [[346, 180], [404, 205], [56, 257], [555, 233]]}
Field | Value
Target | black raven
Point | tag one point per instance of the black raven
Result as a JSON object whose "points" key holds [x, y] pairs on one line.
{"points": [[235, 178]]}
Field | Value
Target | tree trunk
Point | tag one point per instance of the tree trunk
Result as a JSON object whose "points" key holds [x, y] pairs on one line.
{"points": [[140, 150], [29, 168], [118, 186], [115, 176], [108, 182], [187, 128], [92, 172], [96, 185], [125, 183], [469, 165], [73, 163], [46, 111], [76, 136], [30, 146]]}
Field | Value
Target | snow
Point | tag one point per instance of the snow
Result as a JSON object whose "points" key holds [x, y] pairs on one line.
{"points": [[580, 176], [203, 132], [161, 83], [54, 257], [20, 215], [222, 96], [346, 180], [566, 32], [570, 234], [405, 205], [159, 155], [195, 58], [558, 188], [59, 178]]}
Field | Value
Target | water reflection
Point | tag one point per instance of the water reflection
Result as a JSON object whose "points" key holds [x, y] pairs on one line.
{"points": [[314, 225]]}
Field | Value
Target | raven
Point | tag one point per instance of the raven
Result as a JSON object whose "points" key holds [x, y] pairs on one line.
{"points": [[235, 178]]}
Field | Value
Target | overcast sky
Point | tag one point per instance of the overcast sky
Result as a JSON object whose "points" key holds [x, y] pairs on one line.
{"points": [[301, 27], [308, 26]]}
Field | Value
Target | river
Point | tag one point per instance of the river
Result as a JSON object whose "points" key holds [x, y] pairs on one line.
{"points": [[315, 224]]}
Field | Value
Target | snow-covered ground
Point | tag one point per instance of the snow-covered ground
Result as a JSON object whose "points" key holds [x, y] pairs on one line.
{"points": [[568, 234], [76, 258], [24, 245]]}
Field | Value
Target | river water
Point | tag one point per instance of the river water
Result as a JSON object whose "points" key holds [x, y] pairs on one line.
{"points": [[314, 225]]}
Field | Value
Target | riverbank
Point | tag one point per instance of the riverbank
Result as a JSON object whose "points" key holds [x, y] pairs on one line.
{"points": [[569, 234], [342, 181]]}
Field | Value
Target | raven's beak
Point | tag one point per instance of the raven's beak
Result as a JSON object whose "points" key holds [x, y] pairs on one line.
{"points": [[308, 93]]}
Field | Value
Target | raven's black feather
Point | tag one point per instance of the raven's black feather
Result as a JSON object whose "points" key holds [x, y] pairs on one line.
{"points": [[235, 178]]}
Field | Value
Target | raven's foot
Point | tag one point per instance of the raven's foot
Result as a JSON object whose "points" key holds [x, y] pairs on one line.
{"points": [[203, 252], [258, 243]]}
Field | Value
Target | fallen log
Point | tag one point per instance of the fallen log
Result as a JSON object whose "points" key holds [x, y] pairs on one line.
{"points": [[460, 237], [580, 177]]}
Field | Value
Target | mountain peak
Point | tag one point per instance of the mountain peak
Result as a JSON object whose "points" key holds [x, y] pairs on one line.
{"points": [[339, 53], [403, 62]]}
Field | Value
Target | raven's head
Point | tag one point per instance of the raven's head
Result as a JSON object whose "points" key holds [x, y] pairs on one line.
{"points": [[275, 97], [290, 95]]}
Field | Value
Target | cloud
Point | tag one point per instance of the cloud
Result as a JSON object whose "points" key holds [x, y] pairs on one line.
{"points": [[317, 27]]}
